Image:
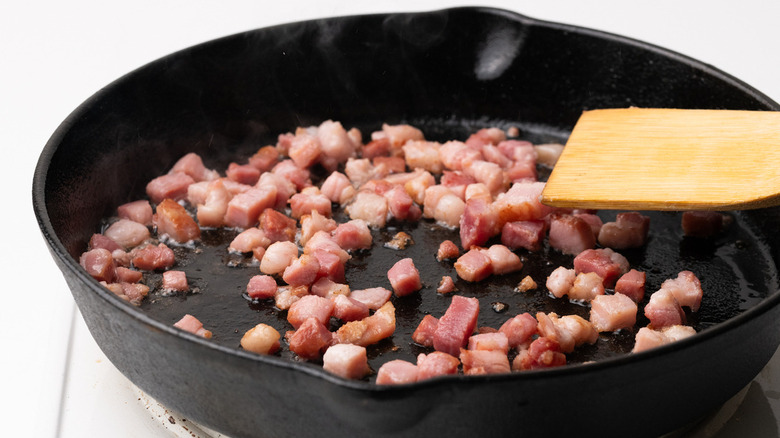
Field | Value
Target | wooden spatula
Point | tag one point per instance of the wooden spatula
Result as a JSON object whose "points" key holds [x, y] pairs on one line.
{"points": [[669, 159]]}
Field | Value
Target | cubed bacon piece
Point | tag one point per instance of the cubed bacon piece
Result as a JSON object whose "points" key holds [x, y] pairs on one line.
{"points": [[175, 281], [568, 331], [476, 362], [369, 330], [261, 287], [603, 261], [612, 312], [153, 257], [196, 192], [353, 235], [396, 372], [192, 165], [308, 200], [521, 203], [447, 250], [322, 241], [335, 142], [348, 309], [632, 285], [398, 135], [486, 136], [542, 353], [436, 364], [586, 287], [455, 155], [457, 181], [304, 149], [393, 164], [417, 185], [423, 155], [497, 341], [244, 209], [212, 210], [628, 231], [137, 211], [524, 234], [474, 265], [284, 188], [399, 203], [478, 190], [331, 266], [560, 281], [369, 207], [99, 263], [191, 324], [265, 158], [447, 210], [517, 150], [243, 173], [703, 224], [487, 173], [310, 339], [456, 325], [277, 226], [314, 222], [570, 234], [310, 306], [361, 171], [686, 289], [494, 155], [523, 168], [278, 256], [169, 186], [287, 169], [327, 288], [287, 295], [100, 241], [249, 239], [346, 360], [424, 332], [404, 277], [478, 222], [446, 285], [503, 259], [134, 293], [647, 338], [377, 147], [126, 275], [593, 220], [663, 310], [519, 329], [338, 188], [174, 221], [548, 153], [374, 297], [127, 233], [303, 271], [261, 339]]}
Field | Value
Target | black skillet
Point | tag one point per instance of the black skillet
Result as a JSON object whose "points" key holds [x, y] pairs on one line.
{"points": [[448, 72]]}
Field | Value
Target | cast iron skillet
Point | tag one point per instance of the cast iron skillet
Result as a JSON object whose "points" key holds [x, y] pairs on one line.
{"points": [[448, 72]]}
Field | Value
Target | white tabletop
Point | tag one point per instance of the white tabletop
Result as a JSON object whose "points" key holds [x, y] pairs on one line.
{"points": [[57, 54]]}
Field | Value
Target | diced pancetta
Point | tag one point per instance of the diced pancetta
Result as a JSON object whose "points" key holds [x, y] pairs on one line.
{"points": [[586, 287], [99, 263], [284, 188], [487, 173], [503, 259], [455, 155], [612, 312], [192, 165], [374, 297], [212, 209], [486, 136], [338, 188], [346, 360], [153, 257], [327, 288], [477, 362], [524, 234], [570, 234], [447, 250], [542, 353], [474, 265], [278, 256], [703, 224], [632, 285], [593, 220], [560, 281], [446, 285], [548, 153], [101, 241], [137, 211], [417, 185], [424, 332], [261, 339], [314, 222], [310, 306], [353, 235], [456, 325], [568, 331], [663, 310], [647, 338], [243, 173], [191, 324], [127, 233], [686, 289], [175, 281], [369, 207], [243, 210], [310, 339], [404, 277], [277, 226], [348, 309], [519, 330], [249, 239], [436, 364], [489, 341], [526, 284], [169, 186], [127, 275], [628, 231], [603, 261], [335, 142], [287, 295], [303, 271], [478, 223], [309, 200], [369, 330], [287, 169], [265, 158], [261, 287], [457, 181], [396, 372], [521, 203], [422, 154]]}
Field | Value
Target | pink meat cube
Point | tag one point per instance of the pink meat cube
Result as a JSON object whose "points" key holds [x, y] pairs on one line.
{"points": [[248, 240], [310, 339], [519, 329], [632, 285], [404, 277], [310, 306], [353, 235], [396, 372], [243, 173], [560, 281], [261, 287], [265, 158], [331, 265], [542, 353], [153, 257], [478, 223], [191, 324], [169, 186], [612, 312], [605, 262], [338, 188], [192, 165], [423, 335], [474, 265], [348, 309], [370, 207], [647, 338], [628, 231], [570, 234], [175, 281], [663, 310], [521, 203], [447, 250], [346, 360], [484, 362], [100, 241], [261, 339], [308, 201], [127, 233], [586, 286], [503, 259], [702, 223], [436, 364], [369, 330], [327, 288], [446, 285], [277, 226], [303, 271], [125, 275], [244, 208], [524, 234], [489, 341], [174, 221], [686, 289], [137, 211], [456, 325], [99, 264]]}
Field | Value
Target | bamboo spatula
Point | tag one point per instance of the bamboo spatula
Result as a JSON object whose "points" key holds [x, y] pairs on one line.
{"points": [[669, 159]]}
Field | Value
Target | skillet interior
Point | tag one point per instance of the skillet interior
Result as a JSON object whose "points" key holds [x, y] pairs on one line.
{"points": [[447, 72]]}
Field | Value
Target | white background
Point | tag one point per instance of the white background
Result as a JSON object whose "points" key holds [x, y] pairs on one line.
{"points": [[54, 55]]}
